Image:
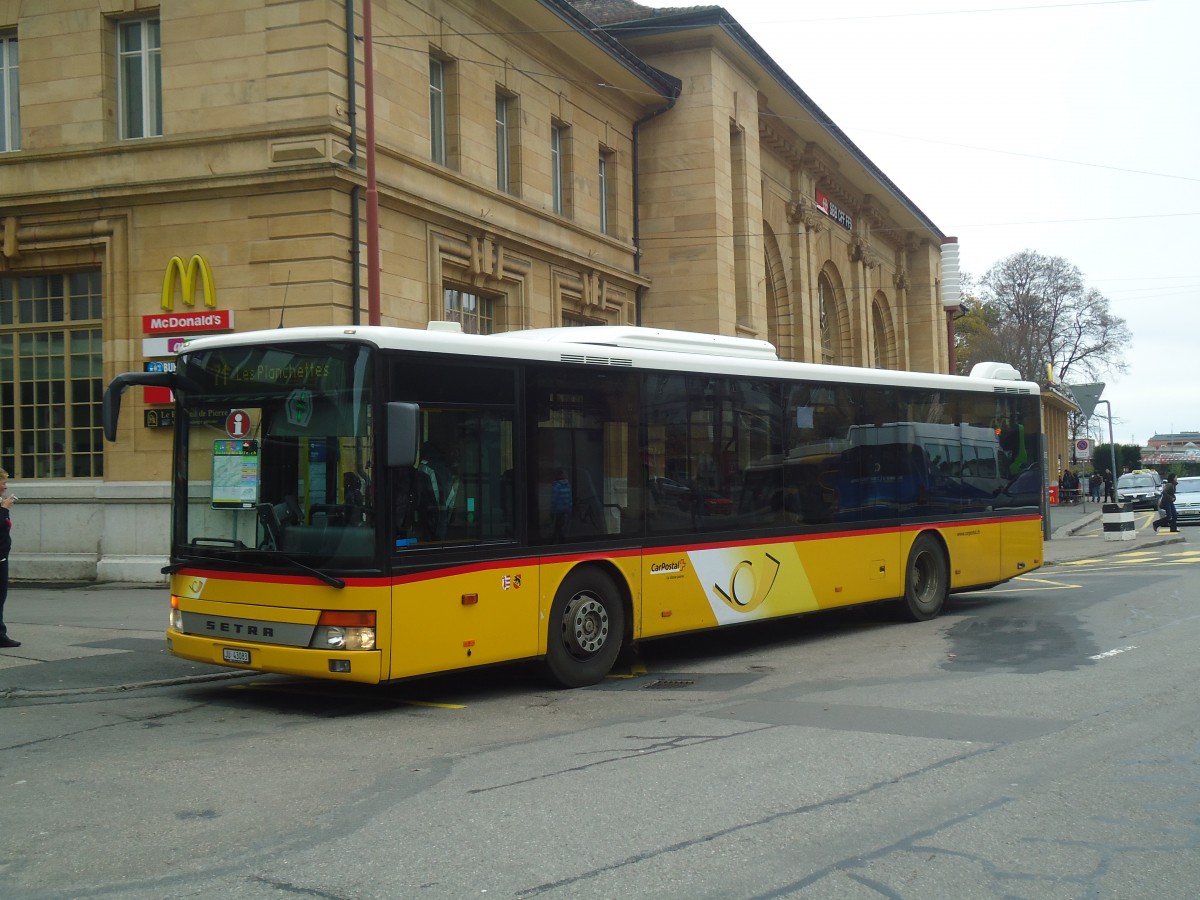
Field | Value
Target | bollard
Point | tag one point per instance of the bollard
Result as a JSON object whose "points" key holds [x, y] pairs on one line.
{"points": [[1118, 522]]}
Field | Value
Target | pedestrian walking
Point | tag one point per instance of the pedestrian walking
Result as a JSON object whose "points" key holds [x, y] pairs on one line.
{"points": [[6, 504], [1166, 505]]}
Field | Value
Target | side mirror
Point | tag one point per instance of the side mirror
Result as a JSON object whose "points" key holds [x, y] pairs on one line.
{"points": [[111, 407], [403, 432]]}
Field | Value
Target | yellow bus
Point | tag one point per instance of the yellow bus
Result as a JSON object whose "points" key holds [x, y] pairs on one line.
{"points": [[371, 504]]}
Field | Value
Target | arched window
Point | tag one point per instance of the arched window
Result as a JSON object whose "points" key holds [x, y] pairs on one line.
{"points": [[779, 308], [883, 339], [830, 330]]}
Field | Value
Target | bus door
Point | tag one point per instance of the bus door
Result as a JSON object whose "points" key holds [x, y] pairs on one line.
{"points": [[462, 593]]}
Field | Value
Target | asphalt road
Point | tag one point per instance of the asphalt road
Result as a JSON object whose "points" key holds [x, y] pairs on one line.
{"points": [[111, 637], [1040, 740]]}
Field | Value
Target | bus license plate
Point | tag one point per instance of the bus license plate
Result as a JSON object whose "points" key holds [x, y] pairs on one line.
{"points": [[236, 656]]}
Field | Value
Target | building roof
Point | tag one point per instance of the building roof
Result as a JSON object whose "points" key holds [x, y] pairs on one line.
{"points": [[668, 85], [625, 17], [1178, 436], [609, 12]]}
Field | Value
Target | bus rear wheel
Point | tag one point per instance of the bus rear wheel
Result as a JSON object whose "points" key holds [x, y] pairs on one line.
{"points": [[587, 627], [926, 579]]}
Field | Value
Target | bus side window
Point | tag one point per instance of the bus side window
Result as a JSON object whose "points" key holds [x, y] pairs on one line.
{"points": [[414, 506]]}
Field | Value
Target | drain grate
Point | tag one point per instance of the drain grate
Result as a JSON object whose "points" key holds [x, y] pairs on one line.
{"points": [[667, 684]]}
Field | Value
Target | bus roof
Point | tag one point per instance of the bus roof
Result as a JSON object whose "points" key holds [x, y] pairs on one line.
{"points": [[623, 347]]}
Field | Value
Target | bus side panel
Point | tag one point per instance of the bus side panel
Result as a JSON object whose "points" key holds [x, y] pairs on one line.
{"points": [[858, 568], [687, 590], [1021, 546], [464, 617], [974, 553]]}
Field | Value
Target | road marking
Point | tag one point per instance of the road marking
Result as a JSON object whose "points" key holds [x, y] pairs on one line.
{"points": [[1111, 653], [1016, 585]]}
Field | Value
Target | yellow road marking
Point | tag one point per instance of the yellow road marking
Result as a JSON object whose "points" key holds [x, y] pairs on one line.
{"points": [[635, 669], [1050, 585]]}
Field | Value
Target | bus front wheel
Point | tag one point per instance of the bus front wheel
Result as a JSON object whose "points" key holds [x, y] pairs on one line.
{"points": [[587, 626], [926, 580]]}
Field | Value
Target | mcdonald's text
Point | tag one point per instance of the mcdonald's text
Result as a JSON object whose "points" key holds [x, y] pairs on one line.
{"points": [[208, 320]]}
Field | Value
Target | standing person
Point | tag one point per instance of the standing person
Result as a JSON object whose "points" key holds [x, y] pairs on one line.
{"points": [[5, 548], [1095, 482], [1109, 495], [1166, 504], [1070, 487]]}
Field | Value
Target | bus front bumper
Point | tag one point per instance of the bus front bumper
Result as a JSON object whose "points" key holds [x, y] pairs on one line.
{"points": [[364, 666]]}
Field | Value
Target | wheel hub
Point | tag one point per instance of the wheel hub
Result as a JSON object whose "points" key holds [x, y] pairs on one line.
{"points": [[585, 624]]}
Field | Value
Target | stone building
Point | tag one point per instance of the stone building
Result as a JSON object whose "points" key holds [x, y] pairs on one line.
{"points": [[172, 167]]}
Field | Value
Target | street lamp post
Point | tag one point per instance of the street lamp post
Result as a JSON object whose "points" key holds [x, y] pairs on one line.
{"points": [[1112, 448], [373, 315]]}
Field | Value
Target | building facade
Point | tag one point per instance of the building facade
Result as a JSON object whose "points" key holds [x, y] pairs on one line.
{"points": [[171, 168]]}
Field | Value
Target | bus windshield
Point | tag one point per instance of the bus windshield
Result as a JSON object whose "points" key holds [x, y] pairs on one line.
{"points": [[273, 458]]}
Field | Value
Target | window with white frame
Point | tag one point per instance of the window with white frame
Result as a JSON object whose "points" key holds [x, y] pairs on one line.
{"points": [[10, 94], [476, 313], [827, 310], [602, 193], [437, 110], [51, 375], [503, 139], [576, 320], [139, 78], [559, 135]]}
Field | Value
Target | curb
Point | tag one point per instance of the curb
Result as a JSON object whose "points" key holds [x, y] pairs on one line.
{"points": [[1069, 534], [32, 694]]}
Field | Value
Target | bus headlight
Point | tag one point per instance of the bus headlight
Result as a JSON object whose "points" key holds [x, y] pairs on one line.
{"points": [[341, 637], [176, 620], [344, 630]]}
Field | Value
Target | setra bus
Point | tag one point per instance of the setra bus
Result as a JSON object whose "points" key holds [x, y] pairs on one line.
{"points": [[376, 503]]}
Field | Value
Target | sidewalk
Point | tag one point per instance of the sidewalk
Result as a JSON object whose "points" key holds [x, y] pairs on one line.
{"points": [[1077, 533], [97, 639], [91, 639]]}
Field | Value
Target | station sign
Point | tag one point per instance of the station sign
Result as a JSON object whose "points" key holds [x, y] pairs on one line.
{"points": [[835, 212]]}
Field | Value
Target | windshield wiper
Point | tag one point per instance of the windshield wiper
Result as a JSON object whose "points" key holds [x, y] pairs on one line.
{"points": [[325, 577], [330, 580]]}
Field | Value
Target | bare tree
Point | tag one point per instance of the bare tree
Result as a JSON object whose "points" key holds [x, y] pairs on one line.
{"points": [[1035, 310]]}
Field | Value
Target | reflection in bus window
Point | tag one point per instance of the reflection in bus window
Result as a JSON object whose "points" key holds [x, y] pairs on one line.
{"points": [[459, 491], [582, 434]]}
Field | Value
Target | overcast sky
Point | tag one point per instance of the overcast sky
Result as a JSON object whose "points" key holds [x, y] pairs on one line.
{"points": [[1068, 128]]}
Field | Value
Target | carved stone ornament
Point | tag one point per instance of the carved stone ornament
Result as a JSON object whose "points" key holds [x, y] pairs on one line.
{"points": [[804, 212]]}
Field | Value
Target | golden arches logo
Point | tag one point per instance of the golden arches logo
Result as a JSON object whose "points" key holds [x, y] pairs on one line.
{"points": [[195, 271]]}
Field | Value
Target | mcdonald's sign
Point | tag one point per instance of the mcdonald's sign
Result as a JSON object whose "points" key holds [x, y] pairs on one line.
{"points": [[193, 275]]}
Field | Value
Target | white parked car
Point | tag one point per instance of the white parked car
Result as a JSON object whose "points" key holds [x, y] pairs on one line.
{"points": [[1140, 489], [1187, 499]]}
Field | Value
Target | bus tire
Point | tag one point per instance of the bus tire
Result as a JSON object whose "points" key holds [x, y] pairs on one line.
{"points": [[586, 630], [926, 579]]}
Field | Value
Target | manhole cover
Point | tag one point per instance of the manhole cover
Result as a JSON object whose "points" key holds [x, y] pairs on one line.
{"points": [[667, 684]]}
